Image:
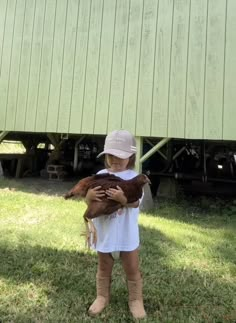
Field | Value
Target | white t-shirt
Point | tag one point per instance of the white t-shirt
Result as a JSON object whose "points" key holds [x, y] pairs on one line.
{"points": [[118, 231]]}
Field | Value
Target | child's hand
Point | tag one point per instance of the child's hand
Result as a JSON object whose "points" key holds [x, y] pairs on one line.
{"points": [[94, 194], [116, 194]]}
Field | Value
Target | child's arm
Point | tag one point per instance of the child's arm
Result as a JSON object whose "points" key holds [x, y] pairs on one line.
{"points": [[117, 194], [94, 194], [134, 204]]}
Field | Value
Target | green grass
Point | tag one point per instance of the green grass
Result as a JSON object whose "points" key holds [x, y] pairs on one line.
{"points": [[188, 260], [11, 147]]}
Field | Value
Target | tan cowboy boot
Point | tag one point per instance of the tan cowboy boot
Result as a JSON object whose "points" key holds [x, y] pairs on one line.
{"points": [[103, 295], [136, 307]]}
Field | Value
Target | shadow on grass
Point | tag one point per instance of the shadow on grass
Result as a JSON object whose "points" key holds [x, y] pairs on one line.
{"points": [[175, 293], [37, 185], [224, 243], [201, 211], [66, 280]]}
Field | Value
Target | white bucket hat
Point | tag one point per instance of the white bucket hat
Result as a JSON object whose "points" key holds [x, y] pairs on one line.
{"points": [[119, 143]]}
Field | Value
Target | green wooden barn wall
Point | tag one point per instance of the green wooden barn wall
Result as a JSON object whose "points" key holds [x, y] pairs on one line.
{"points": [[162, 68]]}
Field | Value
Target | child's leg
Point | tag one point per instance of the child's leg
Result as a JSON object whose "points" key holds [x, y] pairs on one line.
{"points": [[103, 281], [130, 262], [105, 264]]}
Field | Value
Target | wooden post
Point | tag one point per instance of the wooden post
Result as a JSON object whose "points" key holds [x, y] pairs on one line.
{"points": [[19, 166], [3, 135], [154, 149], [147, 201], [54, 139], [139, 144]]}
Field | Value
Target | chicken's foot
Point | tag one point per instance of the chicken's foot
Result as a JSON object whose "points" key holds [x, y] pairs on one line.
{"points": [[90, 233]]}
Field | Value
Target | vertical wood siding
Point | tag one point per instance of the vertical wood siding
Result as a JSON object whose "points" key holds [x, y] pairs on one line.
{"points": [[146, 70], [63, 117], [229, 102], [105, 66], [196, 70], [132, 65], [178, 68], [156, 67], [34, 57], [80, 67], [118, 65], [161, 68], [44, 81], [214, 77], [6, 60]]}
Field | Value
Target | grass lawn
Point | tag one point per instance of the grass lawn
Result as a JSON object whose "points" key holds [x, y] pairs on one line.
{"points": [[188, 260], [11, 147]]}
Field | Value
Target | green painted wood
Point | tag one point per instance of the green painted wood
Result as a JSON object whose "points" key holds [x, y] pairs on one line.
{"points": [[57, 66], [213, 108], [105, 67], [81, 52], [3, 10], [132, 65], [16, 52], [196, 70], [35, 65], [24, 69], [162, 68], [68, 67], [118, 65], [4, 61], [92, 68], [178, 69], [46, 67], [230, 73], [139, 145], [146, 71]]}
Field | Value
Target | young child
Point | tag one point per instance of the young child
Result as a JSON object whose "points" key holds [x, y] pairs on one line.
{"points": [[118, 233]]}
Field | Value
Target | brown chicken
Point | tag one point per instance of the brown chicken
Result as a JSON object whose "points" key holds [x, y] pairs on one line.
{"points": [[132, 190]]}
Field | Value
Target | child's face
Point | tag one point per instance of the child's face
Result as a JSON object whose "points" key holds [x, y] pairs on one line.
{"points": [[117, 164]]}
